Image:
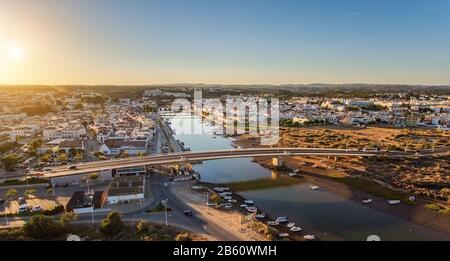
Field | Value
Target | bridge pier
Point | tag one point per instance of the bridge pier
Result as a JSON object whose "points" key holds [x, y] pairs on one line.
{"points": [[277, 161]]}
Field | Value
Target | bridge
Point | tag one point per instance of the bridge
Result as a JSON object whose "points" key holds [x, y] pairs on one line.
{"points": [[186, 157]]}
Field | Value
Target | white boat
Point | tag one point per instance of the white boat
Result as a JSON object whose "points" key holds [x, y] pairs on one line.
{"points": [[218, 189], [249, 201], [309, 237], [251, 209], [290, 224], [260, 216], [283, 235], [282, 219], [367, 201], [232, 200], [227, 198], [314, 187], [394, 202], [209, 204], [243, 205], [227, 207], [273, 223], [412, 198], [295, 229]]}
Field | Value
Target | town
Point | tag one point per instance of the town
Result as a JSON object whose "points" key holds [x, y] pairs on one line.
{"points": [[47, 130]]}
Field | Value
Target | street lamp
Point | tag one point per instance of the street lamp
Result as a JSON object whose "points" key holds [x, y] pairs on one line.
{"points": [[165, 210], [6, 213]]}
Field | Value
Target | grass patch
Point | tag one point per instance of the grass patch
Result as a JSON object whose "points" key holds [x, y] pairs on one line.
{"points": [[373, 188], [433, 206], [264, 183]]}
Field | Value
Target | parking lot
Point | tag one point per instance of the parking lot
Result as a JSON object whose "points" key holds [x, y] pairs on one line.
{"points": [[12, 207]]}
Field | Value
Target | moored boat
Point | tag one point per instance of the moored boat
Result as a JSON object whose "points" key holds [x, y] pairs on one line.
{"points": [[367, 201], [295, 229], [251, 209], [314, 187], [394, 202], [273, 223], [283, 235], [309, 237], [290, 224], [282, 219], [260, 216]]}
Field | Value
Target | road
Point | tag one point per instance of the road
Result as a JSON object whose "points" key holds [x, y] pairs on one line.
{"points": [[175, 217], [182, 157]]}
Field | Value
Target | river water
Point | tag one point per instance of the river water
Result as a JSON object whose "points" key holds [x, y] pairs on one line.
{"points": [[323, 213]]}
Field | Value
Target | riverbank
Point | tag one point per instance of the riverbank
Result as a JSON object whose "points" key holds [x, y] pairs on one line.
{"points": [[229, 220], [344, 186]]}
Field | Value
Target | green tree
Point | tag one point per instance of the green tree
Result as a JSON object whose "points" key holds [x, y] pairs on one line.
{"points": [[42, 227], [10, 161], [112, 224], [29, 192], [10, 193], [62, 157], [67, 218]]}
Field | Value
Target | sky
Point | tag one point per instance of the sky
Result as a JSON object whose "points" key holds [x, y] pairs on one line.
{"points": [[224, 41]]}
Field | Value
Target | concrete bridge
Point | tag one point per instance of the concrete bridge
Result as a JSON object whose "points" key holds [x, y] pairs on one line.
{"points": [[185, 157]]}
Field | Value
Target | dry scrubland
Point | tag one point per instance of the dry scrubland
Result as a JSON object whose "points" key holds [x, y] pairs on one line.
{"points": [[428, 176]]}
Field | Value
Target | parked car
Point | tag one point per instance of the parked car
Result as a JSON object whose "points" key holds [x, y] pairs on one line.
{"points": [[72, 167], [23, 209], [36, 208], [188, 212]]}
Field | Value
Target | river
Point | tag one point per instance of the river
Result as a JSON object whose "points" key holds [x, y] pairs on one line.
{"points": [[323, 213]]}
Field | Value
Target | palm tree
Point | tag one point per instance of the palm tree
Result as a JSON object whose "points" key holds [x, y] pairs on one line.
{"points": [[11, 193], [29, 192]]}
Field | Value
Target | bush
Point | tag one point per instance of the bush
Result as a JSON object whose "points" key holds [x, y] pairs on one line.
{"points": [[53, 211], [183, 236], [112, 224], [142, 227], [42, 227]]}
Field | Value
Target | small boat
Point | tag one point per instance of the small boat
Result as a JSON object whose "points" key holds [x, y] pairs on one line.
{"points": [[412, 198], [218, 189], [227, 207], [249, 201], [309, 237], [367, 201], [295, 229], [314, 187], [273, 223], [295, 175], [227, 198], [232, 200], [290, 224], [283, 235], [394, 202], [243, 205], [260, 216], [251, 209], [282, 219]]}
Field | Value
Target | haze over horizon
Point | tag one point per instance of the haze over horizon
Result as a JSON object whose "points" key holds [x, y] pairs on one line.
{"points": [[136, 42]]}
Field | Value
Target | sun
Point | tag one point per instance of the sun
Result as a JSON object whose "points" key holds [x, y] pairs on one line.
{"points": [[16, 53]]}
